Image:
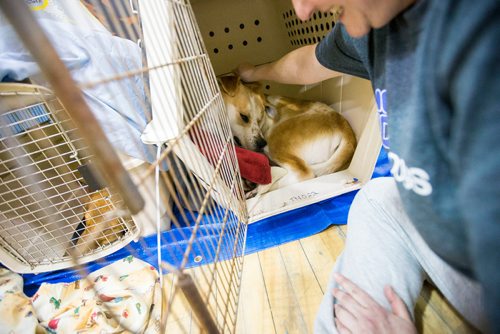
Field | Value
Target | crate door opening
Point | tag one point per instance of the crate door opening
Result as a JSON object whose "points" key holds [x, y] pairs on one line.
{"points": [[262, 31]]}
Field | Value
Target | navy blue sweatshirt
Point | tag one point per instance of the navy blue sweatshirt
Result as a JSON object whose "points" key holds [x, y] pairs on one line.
{"points": [[435, 71]]}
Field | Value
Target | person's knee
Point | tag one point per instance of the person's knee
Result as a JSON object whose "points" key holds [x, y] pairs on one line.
{"points": [[374, 204], [379, 191]]}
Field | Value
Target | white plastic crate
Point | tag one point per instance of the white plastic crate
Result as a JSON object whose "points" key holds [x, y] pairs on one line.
{"points": [[261, 31]]}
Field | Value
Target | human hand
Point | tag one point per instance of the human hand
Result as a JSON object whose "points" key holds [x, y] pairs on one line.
{"points": [[246, 71], [358, 312]]}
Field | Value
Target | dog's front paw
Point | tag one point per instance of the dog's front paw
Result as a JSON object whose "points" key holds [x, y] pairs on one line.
{"points": [[252, 193], [248, 185], [250, 188]]}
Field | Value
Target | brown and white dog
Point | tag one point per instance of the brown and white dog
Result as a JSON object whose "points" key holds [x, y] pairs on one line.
{"points": [[308, 139]]}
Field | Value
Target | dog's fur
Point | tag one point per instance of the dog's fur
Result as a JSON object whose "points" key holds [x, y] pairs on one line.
{"points": [[99, 229], [308, 139]]}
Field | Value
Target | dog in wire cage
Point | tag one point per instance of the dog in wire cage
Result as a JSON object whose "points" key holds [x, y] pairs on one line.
{"points": [[99, 225]]}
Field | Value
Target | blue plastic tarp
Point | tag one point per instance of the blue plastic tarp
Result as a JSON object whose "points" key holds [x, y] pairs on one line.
{"points": [[270, 232]]}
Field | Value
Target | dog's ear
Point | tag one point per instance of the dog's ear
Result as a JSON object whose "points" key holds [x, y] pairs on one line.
{"points": [[229, 83], [256, 86]]}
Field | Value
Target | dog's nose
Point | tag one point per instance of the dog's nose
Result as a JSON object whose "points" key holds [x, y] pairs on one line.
{"points": [[261, 143]]}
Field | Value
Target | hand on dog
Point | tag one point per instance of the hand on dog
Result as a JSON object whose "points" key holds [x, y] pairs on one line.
{"points": [[246, 71], [357, 312]]}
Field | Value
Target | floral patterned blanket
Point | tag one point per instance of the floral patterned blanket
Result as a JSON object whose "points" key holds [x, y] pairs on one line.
{"points": [[124, 296]]}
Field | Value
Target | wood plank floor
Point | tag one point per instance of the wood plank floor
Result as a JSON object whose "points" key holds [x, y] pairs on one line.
{"points": [[282, 287]]}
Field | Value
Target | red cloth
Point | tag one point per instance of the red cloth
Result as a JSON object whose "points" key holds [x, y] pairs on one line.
{"points": [[254, 166]]}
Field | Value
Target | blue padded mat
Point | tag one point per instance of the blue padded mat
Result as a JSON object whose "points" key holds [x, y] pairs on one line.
{"points": [[270, 232]]}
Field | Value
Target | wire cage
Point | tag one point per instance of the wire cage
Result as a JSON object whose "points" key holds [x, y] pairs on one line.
{"points": [[43, 194], [150, 87]]}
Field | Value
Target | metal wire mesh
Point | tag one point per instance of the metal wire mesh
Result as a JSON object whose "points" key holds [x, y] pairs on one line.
{"points": [[43, 195], [190, 180]]}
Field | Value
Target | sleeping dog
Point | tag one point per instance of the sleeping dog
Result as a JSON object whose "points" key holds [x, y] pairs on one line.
{"points": [[308, 139]]}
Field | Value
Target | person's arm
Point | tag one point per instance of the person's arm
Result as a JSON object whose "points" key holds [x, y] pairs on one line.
{"points": [[299, 66], [336, 53]]}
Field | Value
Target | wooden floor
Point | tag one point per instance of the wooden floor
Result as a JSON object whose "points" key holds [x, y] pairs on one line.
{"points": [[282, 288]]}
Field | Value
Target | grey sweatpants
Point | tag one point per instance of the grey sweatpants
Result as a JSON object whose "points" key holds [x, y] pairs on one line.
{"points": [[383, 248]]}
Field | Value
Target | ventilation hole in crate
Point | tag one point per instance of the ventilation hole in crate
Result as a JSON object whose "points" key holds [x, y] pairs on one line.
{"points": [[319, 15], [267, 87], [327, 26], [321, 27], [307, 29], [309, 40], [314, 16], [216, 50], [257, 22], [211, 34], [245, 43], [303, 31], [242, 26], [226, 30], [259, 39], [230, 46], [316, 28], [297, 21]]}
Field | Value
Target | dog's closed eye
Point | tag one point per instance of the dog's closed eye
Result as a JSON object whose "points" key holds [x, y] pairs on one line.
{"points": [[244, 118]]}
